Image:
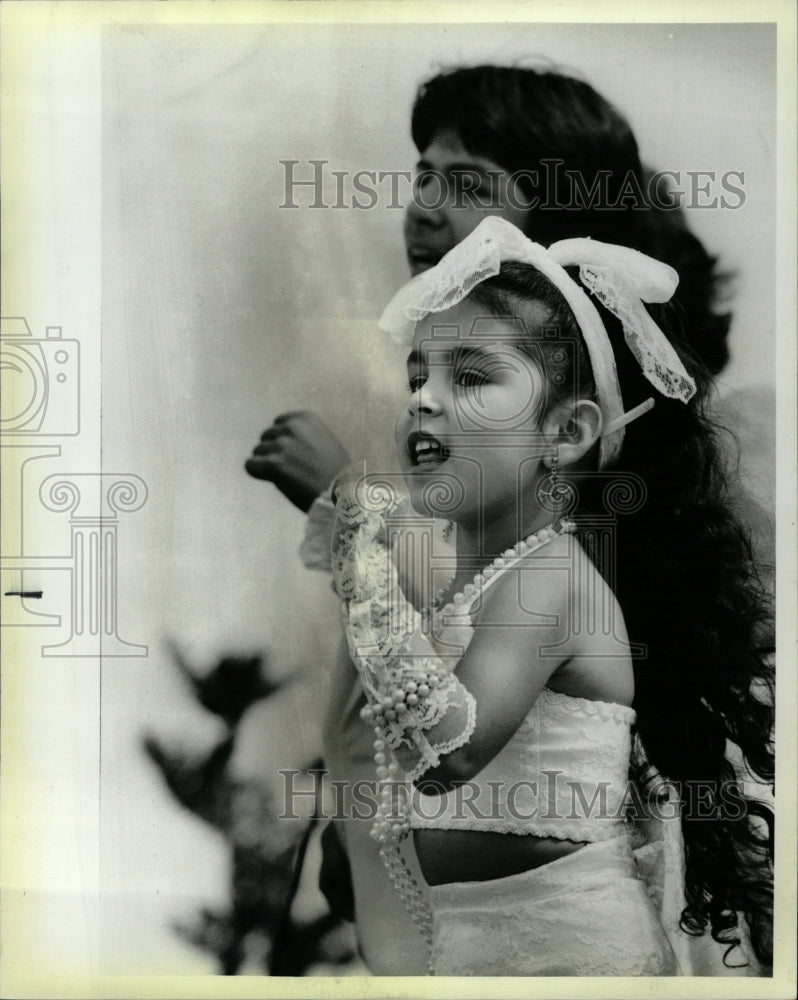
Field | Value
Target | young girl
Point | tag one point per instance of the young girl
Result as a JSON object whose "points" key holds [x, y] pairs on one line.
{"points": [[603, 599]]}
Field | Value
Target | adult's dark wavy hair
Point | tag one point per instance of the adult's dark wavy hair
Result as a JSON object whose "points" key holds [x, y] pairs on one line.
{"points": [[684, 575], [520, 117]]}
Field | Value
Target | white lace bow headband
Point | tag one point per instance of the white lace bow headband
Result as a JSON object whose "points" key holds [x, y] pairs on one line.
{"points": [[621, 278]]}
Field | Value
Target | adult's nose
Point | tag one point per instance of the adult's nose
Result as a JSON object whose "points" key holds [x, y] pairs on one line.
{"points": [[428, 201]]}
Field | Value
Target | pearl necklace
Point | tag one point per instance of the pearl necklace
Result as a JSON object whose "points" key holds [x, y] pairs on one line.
{"points": [[472, 590]]}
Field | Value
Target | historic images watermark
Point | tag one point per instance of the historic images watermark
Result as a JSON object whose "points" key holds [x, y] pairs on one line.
{"points": [[552, 187], [551, 799]]}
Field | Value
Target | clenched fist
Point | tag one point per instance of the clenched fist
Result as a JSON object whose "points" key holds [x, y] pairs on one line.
{"points": [[300, 455]]}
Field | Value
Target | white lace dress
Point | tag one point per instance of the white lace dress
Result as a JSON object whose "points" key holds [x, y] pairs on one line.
{"points": [[612, 908]]}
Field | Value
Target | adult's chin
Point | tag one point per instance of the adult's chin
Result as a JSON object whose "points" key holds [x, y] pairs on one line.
{"points": [[421, 262]]}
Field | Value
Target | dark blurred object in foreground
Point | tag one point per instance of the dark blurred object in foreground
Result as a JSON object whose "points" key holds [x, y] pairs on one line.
{"points": [[267, 853]]}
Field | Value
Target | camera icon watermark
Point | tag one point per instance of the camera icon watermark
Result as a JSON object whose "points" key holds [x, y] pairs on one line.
{"points": [[41, 381], [41, 403]]}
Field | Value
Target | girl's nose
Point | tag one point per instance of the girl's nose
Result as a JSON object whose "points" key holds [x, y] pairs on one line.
{"points": [[425, 400]]}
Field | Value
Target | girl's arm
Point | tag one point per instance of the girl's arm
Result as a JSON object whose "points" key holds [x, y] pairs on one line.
{"points": [[526, 636], [506, 666], [523, 641]]}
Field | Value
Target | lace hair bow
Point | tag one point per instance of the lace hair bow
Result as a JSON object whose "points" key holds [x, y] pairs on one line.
{"points": [[622, 279]]}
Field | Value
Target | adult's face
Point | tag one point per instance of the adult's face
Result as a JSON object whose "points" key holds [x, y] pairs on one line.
{"points": [[455, 190]]}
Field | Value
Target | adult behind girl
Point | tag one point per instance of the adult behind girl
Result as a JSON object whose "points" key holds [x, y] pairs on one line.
{"points": [[544, 662]]}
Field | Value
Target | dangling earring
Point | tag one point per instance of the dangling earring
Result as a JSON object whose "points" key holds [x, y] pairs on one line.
{"points": [[556, 496], [555, 476], [447, 530], [554, 486]]}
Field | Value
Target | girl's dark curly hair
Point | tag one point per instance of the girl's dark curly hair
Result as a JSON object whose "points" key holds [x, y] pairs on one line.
{"points": [[684, 575], [522, 118]]}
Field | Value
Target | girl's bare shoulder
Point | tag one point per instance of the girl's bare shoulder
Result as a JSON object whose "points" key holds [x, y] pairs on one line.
{"points": [[536, 589], [561, 593]]}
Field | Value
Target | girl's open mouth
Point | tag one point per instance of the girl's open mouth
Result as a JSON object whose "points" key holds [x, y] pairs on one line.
{"points": [[424, 449]]}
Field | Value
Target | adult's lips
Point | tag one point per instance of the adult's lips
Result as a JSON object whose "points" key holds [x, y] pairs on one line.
{"points": [[422, 258]]}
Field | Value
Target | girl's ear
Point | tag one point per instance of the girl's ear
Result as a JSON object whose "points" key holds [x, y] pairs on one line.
{"points": [[573, 429]]}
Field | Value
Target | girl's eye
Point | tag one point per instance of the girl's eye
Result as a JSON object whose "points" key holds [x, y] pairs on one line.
{"points": [[472, 377], [415, 382]]}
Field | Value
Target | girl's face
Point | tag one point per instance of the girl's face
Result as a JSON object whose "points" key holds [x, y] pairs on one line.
{"points": [[455, 191], [469, 438]]}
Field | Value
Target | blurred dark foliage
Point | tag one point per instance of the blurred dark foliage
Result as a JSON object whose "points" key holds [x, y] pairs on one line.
{"points": [[267, 854], [231, 687]]}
